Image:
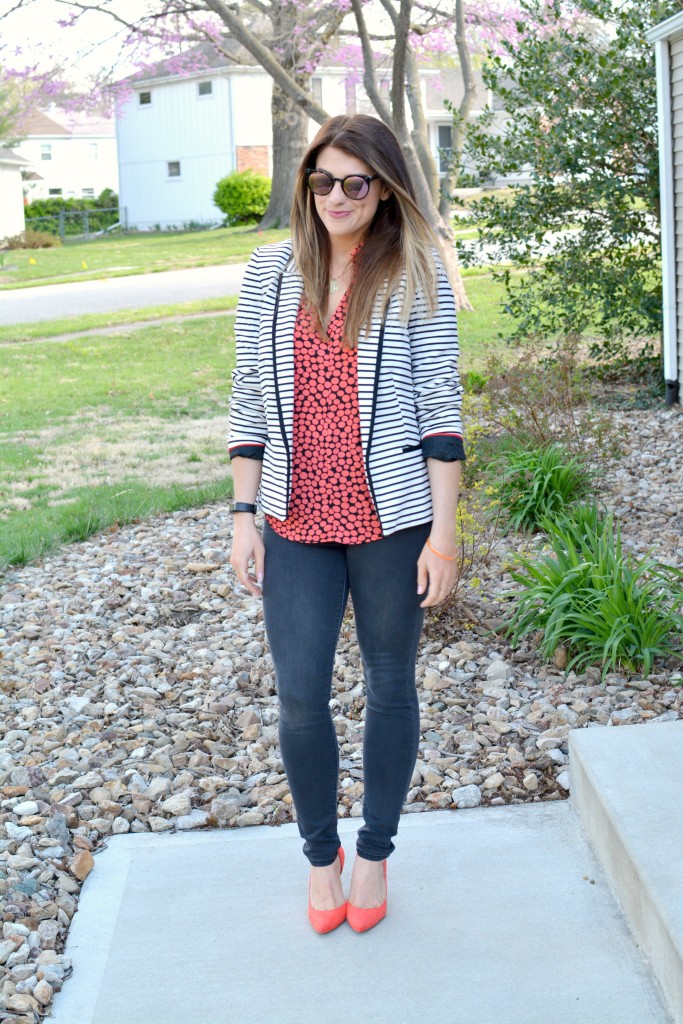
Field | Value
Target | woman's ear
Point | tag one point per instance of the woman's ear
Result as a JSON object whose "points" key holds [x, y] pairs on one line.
{"points": [[385, 193]]}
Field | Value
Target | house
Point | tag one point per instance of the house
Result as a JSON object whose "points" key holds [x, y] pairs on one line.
{"points": [[11, 194], [668, 42], [72, 154], [179, 132]]}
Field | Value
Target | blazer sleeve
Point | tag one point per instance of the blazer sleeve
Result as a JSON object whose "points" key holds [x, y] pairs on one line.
{"points": [[248, 434], [438, 391]]}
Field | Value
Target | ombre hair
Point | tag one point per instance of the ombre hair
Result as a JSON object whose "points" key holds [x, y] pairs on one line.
{"points": [[396, 257]]}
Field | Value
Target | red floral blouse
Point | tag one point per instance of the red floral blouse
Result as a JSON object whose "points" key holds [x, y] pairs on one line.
{"points": [[330, 499]]}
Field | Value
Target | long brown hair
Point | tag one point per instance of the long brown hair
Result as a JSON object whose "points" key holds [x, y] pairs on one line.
{"points": [[396, 256]]}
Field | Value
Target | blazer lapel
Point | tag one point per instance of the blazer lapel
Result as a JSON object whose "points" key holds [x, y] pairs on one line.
{"points": [[284, 321], [369, 361]]}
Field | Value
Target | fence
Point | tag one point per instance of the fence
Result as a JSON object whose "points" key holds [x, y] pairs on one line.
{"points": [[76, 225]]}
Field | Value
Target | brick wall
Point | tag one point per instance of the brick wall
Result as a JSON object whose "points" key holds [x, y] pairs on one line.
{"points": [[254, 157]]}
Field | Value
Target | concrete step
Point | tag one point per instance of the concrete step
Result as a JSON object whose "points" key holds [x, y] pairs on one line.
{"points": [[627, 787], [497, 915]]}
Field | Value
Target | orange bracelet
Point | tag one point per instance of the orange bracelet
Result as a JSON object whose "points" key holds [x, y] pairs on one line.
{"points": [[446, 558]]}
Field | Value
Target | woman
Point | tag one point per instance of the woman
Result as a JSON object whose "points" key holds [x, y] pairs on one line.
{"points": [[345, 428]]}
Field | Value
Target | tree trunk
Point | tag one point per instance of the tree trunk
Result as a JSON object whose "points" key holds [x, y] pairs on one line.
{"points": [[458, 140], [290, 138]]}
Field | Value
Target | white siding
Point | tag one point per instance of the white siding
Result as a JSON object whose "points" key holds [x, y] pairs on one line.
{"points": [[251, 95], [11, 201], [676, 51], [77, 163], [178, 125]]}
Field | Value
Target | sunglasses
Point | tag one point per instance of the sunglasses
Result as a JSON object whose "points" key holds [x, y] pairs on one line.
{"points": [[355, 186]]}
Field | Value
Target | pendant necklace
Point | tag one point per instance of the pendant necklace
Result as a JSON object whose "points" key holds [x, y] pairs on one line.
{"points": [[334, 282]]}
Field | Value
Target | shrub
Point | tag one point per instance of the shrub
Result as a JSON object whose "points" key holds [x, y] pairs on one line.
{"points": [[605, 606], [477, 521], [541, 401], [31, 239], [242, 196], [539, 483]]}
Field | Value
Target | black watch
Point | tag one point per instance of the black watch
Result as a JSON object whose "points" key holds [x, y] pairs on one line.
{"points": [[243, 506]]}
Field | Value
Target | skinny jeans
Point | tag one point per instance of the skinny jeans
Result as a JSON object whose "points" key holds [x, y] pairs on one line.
{"points": [[305, 590]]}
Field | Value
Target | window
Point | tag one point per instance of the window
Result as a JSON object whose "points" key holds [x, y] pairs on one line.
{"points": [[54, 191], [444, 143], [174, 168], [317, 90], [46, 151], [93, 150], [145, 99], [205, 88], [88, 193]]}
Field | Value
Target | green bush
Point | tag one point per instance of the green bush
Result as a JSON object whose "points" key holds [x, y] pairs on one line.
{"points": [[539, 483], [102, 213], [242, 196], [605, 606], [30, 239]]}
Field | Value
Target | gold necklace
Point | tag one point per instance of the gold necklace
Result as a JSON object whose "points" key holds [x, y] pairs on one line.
{"points": [[334, 282]]}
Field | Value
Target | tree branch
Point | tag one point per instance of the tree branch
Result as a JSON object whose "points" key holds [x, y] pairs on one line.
{"points": [[369, 70], [398, 95]]}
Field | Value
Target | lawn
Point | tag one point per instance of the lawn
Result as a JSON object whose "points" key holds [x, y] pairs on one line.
{"points": [[112, 427], [118, 255]]}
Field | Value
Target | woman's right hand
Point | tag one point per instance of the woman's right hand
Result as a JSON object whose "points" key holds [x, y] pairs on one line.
{"points": [[247, 544]]}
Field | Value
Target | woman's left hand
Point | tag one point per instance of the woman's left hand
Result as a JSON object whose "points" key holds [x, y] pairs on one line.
{"points": [[436, 576]]}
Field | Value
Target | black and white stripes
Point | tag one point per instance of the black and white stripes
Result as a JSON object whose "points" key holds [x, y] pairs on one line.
{"points": [[409, 391]]}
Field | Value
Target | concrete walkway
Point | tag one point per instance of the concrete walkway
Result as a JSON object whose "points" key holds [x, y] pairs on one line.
{"points": [[498, 915], [54, 301]]}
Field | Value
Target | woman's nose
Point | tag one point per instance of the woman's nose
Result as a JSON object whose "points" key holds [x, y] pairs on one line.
{"points": [[333, 194]]}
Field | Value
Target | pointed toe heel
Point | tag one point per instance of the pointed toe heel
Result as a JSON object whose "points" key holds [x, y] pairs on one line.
{"points": [[362, 919], [324, 921]]}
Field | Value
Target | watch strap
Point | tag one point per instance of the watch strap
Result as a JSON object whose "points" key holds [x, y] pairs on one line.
{"points": [[243, 506]]}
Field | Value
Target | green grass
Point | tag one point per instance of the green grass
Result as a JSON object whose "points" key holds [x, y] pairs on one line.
{"points": [[95, 321], [171, 370], [478, 330], [118, 255], [32, 534]]}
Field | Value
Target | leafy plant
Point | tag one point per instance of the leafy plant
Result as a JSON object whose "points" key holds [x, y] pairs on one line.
{"points": [[604, 605], [242, 196], [538, 402], [477, 522], [30, 239], [536, 484], [575, 121]]}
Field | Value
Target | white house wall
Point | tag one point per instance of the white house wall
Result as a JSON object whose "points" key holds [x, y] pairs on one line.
{"points": [[251, 95], [11, 201], [178, 126], [78, 166]]}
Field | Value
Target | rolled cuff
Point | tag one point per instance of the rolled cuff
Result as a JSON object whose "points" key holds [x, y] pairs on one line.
{"points": [[445, 447], [247, 451]]}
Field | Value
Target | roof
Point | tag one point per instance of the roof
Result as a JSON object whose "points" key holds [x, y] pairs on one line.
{"points": [[666, 29], [55, 121], [195, 60], [8, 157]]}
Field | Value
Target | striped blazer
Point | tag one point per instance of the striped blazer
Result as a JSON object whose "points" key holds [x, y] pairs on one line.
{"points": [[409, 391]]}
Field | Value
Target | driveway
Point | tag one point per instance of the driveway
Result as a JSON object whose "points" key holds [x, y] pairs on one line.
{"points": [[54, 301]]}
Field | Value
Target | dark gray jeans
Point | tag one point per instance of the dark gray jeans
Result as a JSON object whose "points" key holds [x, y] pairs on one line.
{"points": [[305, 589]]}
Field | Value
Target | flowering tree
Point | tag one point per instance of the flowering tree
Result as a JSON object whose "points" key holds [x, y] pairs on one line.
{"points": [[288, 38]]}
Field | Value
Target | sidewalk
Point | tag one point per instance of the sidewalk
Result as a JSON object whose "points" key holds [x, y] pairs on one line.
{"points": [[498, 915]]}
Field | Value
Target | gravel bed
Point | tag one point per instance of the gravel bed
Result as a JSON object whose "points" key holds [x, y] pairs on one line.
{"points": [[137, 694]]}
